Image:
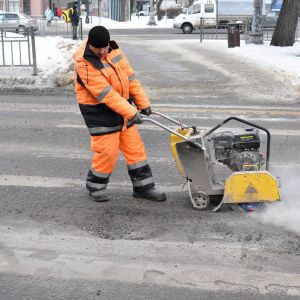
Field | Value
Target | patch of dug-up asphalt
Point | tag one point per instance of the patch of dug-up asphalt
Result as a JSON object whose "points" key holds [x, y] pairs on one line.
{"points": [[126, 218]]}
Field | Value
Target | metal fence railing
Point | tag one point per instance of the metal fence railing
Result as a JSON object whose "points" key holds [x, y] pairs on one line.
{"points": [[268, 32], [17, 50], [220, 31], [58, 27]]}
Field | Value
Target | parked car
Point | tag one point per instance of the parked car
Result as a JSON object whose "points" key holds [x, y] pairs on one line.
{"points": [[17, 22], [143, 13]]}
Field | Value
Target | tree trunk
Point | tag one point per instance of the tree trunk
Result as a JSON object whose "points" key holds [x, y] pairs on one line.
{"points": [[132, 6], [158, 11], [122, 10], [284, 34]]}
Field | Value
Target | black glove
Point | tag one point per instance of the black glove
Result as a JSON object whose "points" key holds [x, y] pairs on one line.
{"points": [[146, 111], [136, 119]]}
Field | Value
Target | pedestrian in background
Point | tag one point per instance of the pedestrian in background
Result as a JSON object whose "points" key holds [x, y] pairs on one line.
{"points": [[104, 83], [74, 16], [59, 12], [49, 16]]}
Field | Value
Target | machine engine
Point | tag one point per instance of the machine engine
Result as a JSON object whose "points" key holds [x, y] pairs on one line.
{"points": [[240, 152]]}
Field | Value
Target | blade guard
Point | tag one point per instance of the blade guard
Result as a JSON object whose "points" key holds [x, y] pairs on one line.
{"points": [[250, 187]]}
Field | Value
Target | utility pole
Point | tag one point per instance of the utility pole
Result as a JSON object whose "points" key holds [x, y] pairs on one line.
{"points": [[87, 7], [79, 7], [99, 11], [217, 13], [151, 15], [256, 34]]}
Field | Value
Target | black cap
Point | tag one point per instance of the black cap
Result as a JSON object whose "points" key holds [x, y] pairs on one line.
{"points": [[99, 37]]}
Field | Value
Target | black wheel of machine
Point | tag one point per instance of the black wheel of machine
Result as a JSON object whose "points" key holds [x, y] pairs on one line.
{"points": [[187, 28], [201, 200], [247, 207]]}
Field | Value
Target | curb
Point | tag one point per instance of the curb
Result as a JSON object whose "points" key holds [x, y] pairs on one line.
{"points": [[37, 91]]}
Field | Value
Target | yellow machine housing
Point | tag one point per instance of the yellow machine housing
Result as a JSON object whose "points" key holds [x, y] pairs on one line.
{"points": [[251, 186]]}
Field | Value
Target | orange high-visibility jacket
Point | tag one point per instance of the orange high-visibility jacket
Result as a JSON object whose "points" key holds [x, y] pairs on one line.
{"points": [[103, 89]]}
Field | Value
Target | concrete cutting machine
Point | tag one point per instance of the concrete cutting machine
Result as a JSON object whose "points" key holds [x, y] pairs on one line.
{"points": [[227, 163]]}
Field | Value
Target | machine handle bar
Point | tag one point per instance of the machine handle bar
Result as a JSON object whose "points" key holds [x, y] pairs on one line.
{"points": [[170, 119], [194, 143]]}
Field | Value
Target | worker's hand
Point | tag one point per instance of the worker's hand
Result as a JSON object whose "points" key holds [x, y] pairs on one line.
{"points": [[136, 119], [146, 111]]}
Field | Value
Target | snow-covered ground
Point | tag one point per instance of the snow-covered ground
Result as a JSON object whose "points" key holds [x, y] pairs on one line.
{"points": [[54, 56]]}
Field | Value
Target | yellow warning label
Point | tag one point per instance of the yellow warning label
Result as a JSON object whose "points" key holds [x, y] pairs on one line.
{"points": [[250, 189]]}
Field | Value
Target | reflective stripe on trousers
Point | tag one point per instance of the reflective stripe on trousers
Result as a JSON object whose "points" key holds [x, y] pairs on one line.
{"points": [[106, 149], [96, 181], [141, 176]]}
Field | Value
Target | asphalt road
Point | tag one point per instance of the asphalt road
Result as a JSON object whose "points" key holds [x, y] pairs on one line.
{"points": [[147, 33], [159, 33], [55, 243]]}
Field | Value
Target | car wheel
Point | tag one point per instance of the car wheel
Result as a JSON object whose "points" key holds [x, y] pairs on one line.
{"points": [[142, 15], [187, 28], [21, 30]]}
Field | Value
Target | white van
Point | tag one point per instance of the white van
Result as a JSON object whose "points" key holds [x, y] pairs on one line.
{"points": [[205, 9], [212, 10]]}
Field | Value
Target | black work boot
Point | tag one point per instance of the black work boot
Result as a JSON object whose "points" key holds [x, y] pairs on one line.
{"points": [[150, 194], [99, 196]]}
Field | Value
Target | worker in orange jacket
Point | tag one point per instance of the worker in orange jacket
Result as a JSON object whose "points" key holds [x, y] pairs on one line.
{"points": [[104, 83]]}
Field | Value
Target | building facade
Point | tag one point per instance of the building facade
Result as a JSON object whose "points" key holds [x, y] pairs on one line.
{"points": [[35, 8], [118, 10]]}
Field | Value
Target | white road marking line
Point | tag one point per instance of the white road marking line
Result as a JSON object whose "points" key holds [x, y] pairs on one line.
{"points": [[61, 182], [44, 152], [57, 182], [229, 106], [54, 108], [280, 132]]}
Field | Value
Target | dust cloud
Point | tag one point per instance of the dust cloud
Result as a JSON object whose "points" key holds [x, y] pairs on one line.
{"points": [[287, 212]]}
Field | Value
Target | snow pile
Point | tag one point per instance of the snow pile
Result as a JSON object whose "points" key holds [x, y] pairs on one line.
{"points": [[54, 61], [55, 64]]}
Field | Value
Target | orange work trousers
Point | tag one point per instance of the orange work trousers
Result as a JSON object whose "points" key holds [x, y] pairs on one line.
{"points": [[106, 149]]}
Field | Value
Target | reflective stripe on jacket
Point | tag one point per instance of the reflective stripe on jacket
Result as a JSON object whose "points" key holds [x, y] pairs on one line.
{"points": [[103, 87]]}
